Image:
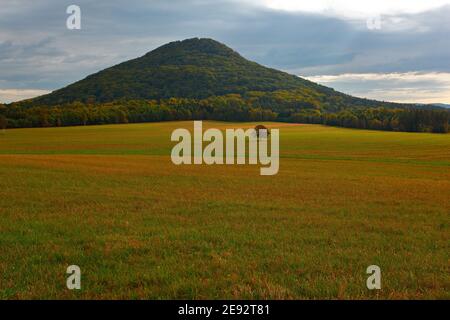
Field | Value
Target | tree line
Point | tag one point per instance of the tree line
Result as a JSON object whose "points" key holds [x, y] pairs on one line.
{"points": [[233, 107], [409, 120]]}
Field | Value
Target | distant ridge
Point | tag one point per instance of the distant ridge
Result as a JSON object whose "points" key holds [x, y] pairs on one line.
{"points": [[442, 105]]}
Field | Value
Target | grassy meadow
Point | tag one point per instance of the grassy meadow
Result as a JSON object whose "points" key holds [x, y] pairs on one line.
{"points": [[109, 199]]}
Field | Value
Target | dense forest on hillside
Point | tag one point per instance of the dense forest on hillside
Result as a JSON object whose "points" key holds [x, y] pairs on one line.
{"points": [[255, 107], [192, 69], [204, 79]]}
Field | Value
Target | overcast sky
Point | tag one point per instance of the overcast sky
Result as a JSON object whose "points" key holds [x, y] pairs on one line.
{"points": [[397, 50]]}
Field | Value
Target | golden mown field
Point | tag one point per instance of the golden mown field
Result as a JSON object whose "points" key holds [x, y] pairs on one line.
{"points": [[108, 199]]}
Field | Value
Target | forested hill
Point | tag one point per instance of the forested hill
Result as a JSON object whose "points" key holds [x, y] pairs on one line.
{"points": [[199, 79], [193, 68]]}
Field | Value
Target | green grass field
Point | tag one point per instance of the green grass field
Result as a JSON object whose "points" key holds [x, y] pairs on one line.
{"points": [[109, 199]]}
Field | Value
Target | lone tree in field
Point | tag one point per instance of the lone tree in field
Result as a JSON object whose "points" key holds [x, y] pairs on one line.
{"points": [[260, 133]]}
